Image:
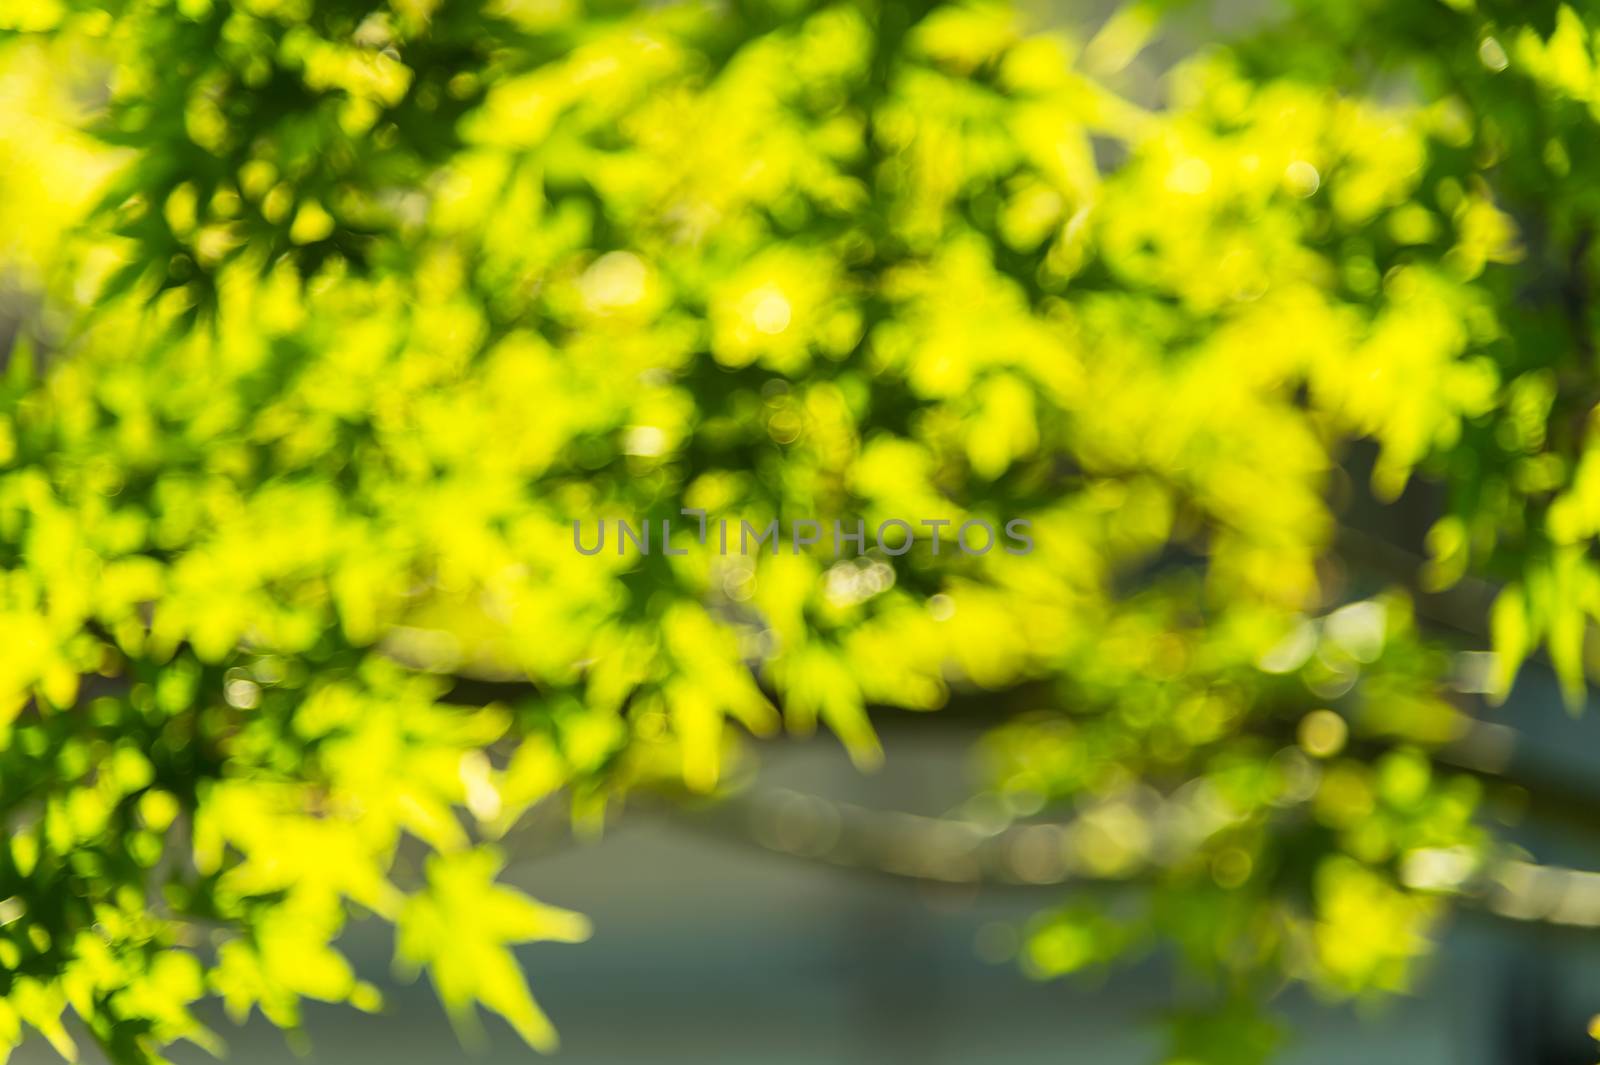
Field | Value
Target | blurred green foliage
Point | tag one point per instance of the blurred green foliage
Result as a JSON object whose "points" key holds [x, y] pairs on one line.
{"points": [[329, 318]]}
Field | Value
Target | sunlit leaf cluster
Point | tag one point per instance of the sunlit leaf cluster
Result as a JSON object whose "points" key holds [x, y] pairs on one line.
{"points": [[329, 320]]}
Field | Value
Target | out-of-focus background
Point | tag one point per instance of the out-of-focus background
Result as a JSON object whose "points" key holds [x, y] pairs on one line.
{"points": [[715, 944]]}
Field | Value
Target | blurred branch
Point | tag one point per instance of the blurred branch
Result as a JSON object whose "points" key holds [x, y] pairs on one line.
{"points": [[1463, 607], [961, 851], [1546, 894]]}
